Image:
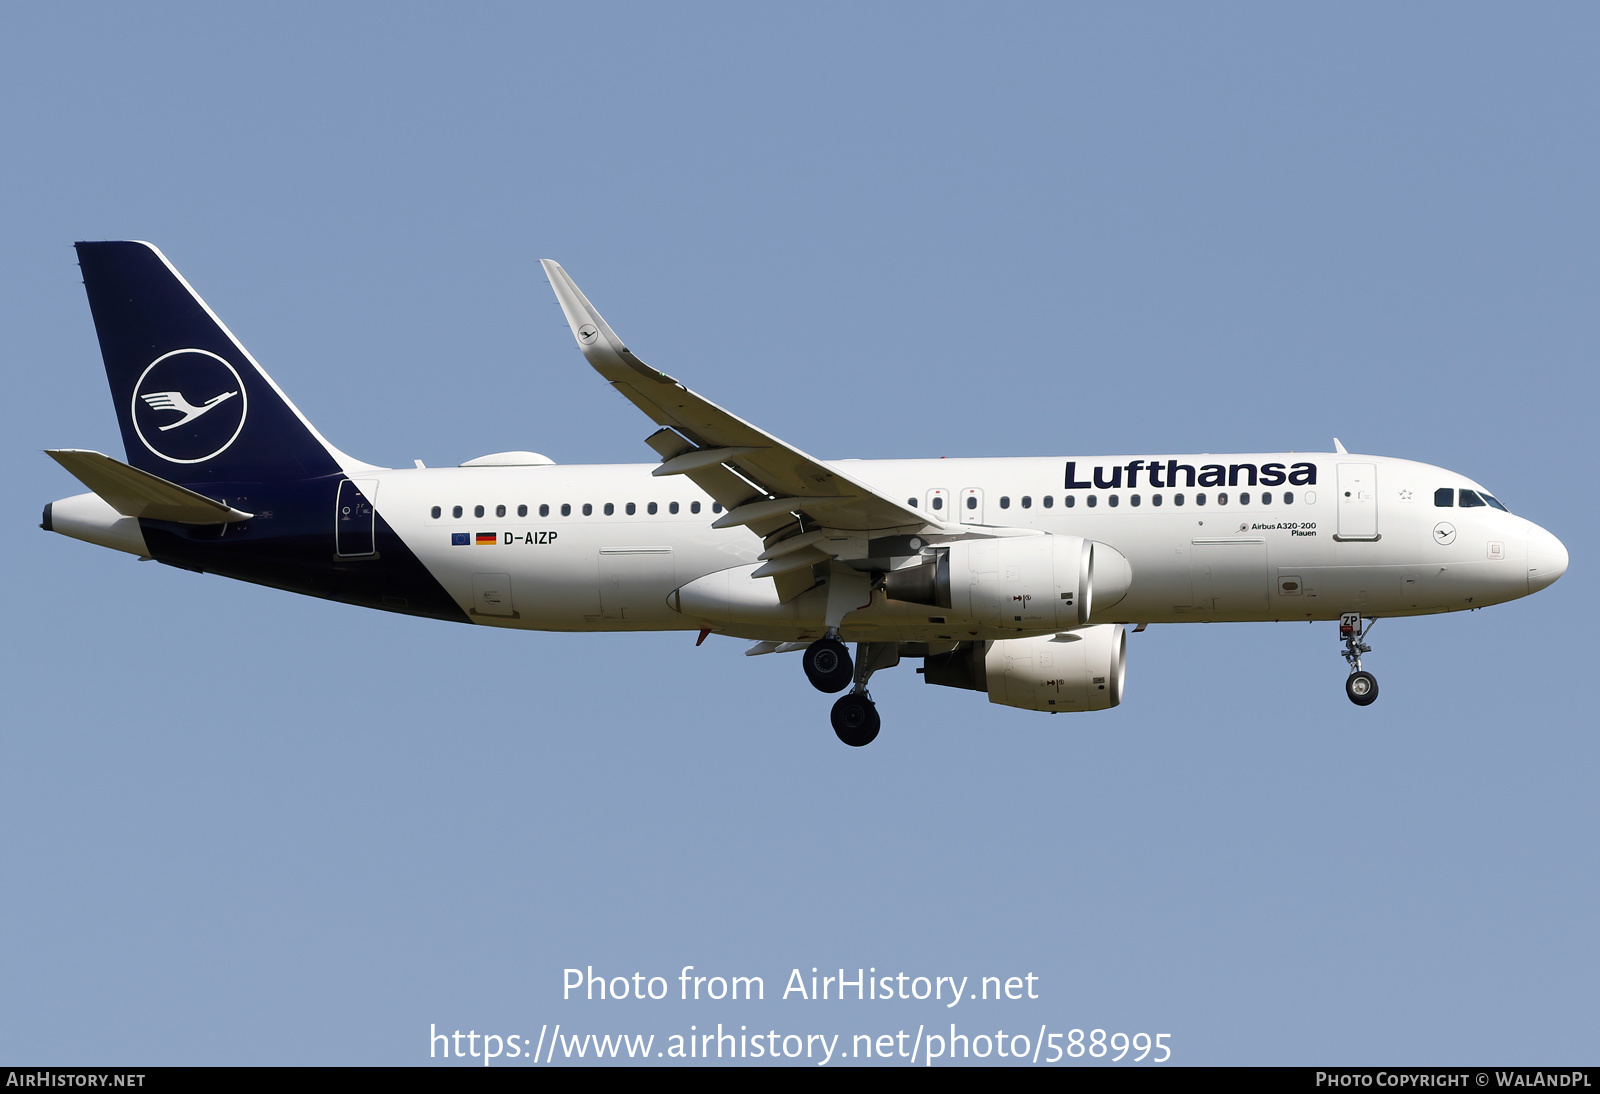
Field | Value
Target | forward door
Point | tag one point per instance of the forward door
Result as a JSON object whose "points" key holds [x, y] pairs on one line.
{"points": [[1358, 501]]}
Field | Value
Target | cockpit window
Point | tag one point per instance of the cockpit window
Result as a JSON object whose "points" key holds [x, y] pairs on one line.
{"points": [[1444, 497], [1469, 499], [1494, 501]]}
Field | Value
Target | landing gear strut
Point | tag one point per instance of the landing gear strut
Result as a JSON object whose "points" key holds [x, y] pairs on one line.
{"points": [[1361, 687]]}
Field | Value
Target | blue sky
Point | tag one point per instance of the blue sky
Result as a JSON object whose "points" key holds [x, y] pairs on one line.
{"points": [[245, 827]]}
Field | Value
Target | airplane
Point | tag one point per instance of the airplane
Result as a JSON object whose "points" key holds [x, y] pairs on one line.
{"points": [[1014, 577]]}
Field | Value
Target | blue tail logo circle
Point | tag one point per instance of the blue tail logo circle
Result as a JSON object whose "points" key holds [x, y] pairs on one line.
{"points": [[189, 406]]}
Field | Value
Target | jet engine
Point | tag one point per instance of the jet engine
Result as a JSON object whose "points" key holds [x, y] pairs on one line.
{"points": [[1026, 582], [1079, 669]]}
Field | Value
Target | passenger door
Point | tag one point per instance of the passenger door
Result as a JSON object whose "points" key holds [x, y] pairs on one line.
{"points": [[1358, 501], [354, 519]]}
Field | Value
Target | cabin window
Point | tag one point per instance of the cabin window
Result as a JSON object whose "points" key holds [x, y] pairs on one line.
{"points": [[716, 507], [436, 511], [1049, 501], [694, 507], [972, 501], [588, 510], [938, 502], [456, 512], [522, 510], [1266, 497], [609, 509], [544, 510], [1222, 499], [1244, 499], [911, 502], [566, 509], [1133, 499], [630, 509], [1177, 499], [1444, 497], [1070, 500], [1005, 503], [1093, 500], [651, 509], [1114, 501], [499, 510], [477, 510], [1470, 499], [672, 507], [1288, 497], [1200, 499], [1155, 499], [1027, 502]]}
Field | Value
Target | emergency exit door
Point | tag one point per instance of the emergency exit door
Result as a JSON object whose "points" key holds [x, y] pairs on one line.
{"points": [[972, 505]]}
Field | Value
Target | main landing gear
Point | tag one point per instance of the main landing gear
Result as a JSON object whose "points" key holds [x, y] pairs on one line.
{"points": [[855, 719], [829, 667], [1362, 687]]}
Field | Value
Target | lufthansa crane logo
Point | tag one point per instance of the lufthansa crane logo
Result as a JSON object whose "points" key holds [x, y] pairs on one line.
{"points": [[189, 406], [588, 333]]}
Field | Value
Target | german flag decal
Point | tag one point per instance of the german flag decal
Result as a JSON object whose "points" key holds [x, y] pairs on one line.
{"points": [[487, 539]]}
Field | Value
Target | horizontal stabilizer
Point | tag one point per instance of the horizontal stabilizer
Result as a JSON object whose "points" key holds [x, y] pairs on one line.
{"points": [[135, 493]]}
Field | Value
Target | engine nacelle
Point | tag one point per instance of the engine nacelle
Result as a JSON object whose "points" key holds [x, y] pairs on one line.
{"points": [[1020, 582], [1081, 669]]}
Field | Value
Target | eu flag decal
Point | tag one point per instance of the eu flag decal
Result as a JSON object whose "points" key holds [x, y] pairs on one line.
{"points": [[459, 539], [487, 539]]}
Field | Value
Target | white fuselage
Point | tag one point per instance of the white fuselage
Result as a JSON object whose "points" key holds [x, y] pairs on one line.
{"points": [[602, 547]]}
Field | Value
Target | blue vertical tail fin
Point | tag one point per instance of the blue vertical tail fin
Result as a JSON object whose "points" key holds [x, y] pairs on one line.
{"points": [[193, 405]]}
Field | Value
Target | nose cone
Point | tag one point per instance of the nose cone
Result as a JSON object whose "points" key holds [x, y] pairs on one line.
{"points": [[1547, 559]]}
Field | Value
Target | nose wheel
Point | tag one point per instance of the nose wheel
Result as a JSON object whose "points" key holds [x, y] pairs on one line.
{"points": [[1362, 686]]}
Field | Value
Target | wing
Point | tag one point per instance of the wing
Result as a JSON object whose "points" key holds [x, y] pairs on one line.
{"points": [[770, 486]]}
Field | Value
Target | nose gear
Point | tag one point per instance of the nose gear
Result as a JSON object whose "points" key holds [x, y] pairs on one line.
{"points": [[1362, 686]]}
